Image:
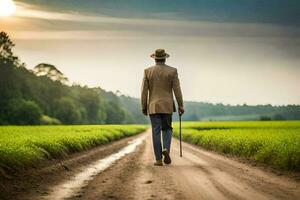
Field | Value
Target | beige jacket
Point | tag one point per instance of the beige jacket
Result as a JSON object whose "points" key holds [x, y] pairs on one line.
{"points": [[158, 85]]}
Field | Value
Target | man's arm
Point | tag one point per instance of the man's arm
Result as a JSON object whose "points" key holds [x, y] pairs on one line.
{"points": [[144, 94], [177, 92]]}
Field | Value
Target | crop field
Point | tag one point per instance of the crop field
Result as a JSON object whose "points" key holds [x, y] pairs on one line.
{"points": [[274, 143], [22, 146]]}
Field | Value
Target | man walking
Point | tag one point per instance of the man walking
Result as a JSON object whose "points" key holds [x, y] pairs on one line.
{"points": [[159, 83]]}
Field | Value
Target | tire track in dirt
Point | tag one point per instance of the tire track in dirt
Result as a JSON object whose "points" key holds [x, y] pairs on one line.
{"points": [[39, 181], [133, 177]]}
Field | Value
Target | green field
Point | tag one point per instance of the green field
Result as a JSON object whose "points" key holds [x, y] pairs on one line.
{"points": [[274, 143], [22, 146]]}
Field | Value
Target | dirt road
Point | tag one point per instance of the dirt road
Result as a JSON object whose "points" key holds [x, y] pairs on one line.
{"points": [[199, 174]]}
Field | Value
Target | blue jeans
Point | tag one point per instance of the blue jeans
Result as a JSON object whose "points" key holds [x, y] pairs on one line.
{"points": [[161, 123]]}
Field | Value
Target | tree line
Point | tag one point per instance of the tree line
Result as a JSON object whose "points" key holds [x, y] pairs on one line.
{"points": [[220, 112], [44, 96]]}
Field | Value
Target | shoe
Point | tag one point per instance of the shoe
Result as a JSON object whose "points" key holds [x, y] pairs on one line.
{"points": [[167, 158], [158, 163]]}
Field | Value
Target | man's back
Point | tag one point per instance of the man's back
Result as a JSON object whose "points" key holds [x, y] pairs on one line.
{"points": [[160, 81]]}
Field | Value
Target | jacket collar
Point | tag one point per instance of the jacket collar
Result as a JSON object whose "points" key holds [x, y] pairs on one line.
{"points": [[160, 63]]}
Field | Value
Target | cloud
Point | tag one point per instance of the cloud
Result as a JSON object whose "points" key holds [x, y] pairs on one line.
{"points": [[254, 11], [75, 35], [32, 23], [30, 11], [163, 27]]}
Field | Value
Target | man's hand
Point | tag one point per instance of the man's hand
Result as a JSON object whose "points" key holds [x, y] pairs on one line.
{"points": [[180, 110], [145, 112]]}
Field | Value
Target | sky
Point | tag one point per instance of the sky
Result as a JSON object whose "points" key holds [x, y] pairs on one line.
{"points": [[226, 51]]}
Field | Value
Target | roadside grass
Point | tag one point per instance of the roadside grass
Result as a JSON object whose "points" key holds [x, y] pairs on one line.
{"points": [[22, 146], [274, 143]]}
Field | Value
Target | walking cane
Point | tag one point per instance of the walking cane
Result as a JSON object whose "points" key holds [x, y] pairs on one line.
{"points": [[180, 134]]}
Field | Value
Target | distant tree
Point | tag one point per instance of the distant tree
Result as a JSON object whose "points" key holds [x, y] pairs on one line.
{"points": [[132, 109], [114, 114], [66, 111], [6, 46], [102, 115], [51, 72], [265, 118], [278, 117], [9, 81], [89, 99], [6, 53], [22, 112], [128, 118]]}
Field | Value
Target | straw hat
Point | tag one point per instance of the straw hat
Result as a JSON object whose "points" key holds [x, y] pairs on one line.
{"points": [[160, 54]]}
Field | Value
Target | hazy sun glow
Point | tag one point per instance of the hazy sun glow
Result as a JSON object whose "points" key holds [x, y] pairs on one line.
{"points": [[7, 8]]}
